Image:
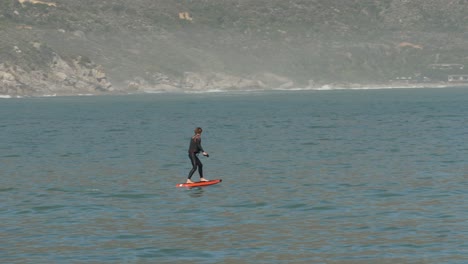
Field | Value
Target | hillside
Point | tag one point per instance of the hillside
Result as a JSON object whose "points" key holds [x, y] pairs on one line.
{"points": [[71, 47]]}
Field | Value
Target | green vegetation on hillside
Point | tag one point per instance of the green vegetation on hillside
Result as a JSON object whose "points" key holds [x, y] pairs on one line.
{"points": [[355, 41]]}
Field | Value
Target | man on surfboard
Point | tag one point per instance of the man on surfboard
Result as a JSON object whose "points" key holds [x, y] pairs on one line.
{"points": [[195, 148]]}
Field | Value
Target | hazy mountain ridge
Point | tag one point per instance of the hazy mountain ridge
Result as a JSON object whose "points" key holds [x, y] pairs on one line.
{"points": [[166, 45]]}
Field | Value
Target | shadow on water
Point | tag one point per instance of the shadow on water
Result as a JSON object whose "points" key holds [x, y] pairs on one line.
{"points": [[196, 192]]}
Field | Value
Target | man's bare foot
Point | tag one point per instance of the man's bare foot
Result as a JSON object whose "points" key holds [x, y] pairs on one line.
{"points": [[203, 180], [189, 181]]}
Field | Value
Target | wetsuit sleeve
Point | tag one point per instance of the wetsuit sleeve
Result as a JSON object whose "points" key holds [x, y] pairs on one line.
{"points": [[199, 146]]}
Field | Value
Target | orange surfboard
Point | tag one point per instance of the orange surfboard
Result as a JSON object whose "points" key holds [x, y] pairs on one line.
{"points": [[199, 184]]}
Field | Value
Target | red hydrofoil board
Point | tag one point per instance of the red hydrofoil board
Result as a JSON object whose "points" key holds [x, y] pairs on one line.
{"points": [[199, 184]]}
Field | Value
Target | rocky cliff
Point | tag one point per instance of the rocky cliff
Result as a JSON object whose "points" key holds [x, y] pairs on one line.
{"points": [[76, 47], [35, 70]]}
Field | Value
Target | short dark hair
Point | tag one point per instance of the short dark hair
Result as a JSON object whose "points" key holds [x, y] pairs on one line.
{"points": [[198, 130]]}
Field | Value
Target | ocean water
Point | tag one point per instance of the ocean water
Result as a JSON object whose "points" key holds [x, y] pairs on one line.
{"points": [[368, 176]]}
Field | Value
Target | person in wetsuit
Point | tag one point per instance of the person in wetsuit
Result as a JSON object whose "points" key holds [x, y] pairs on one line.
{"points": [[195, 148]]}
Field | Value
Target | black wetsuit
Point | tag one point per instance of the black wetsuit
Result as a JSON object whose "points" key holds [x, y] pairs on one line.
{"points": [[195, 148]]}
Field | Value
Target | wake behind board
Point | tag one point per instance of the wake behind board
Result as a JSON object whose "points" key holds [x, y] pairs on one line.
{"points": [[199, 184]]}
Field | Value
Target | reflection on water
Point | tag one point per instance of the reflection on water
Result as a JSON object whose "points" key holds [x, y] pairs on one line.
{"points": [[195, 192]]}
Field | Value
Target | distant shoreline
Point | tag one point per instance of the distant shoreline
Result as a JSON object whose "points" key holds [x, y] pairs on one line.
{"points": [[325, 87], [396, 85]]}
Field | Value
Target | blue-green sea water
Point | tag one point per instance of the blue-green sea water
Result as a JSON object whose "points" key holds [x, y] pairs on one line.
{"points": [[363, 176]]}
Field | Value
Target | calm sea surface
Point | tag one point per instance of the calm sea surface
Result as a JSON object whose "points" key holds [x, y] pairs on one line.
{"points": [[368, 176]]}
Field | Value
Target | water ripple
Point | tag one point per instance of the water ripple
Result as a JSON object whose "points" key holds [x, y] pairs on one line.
{"points": [[310, 177]]}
